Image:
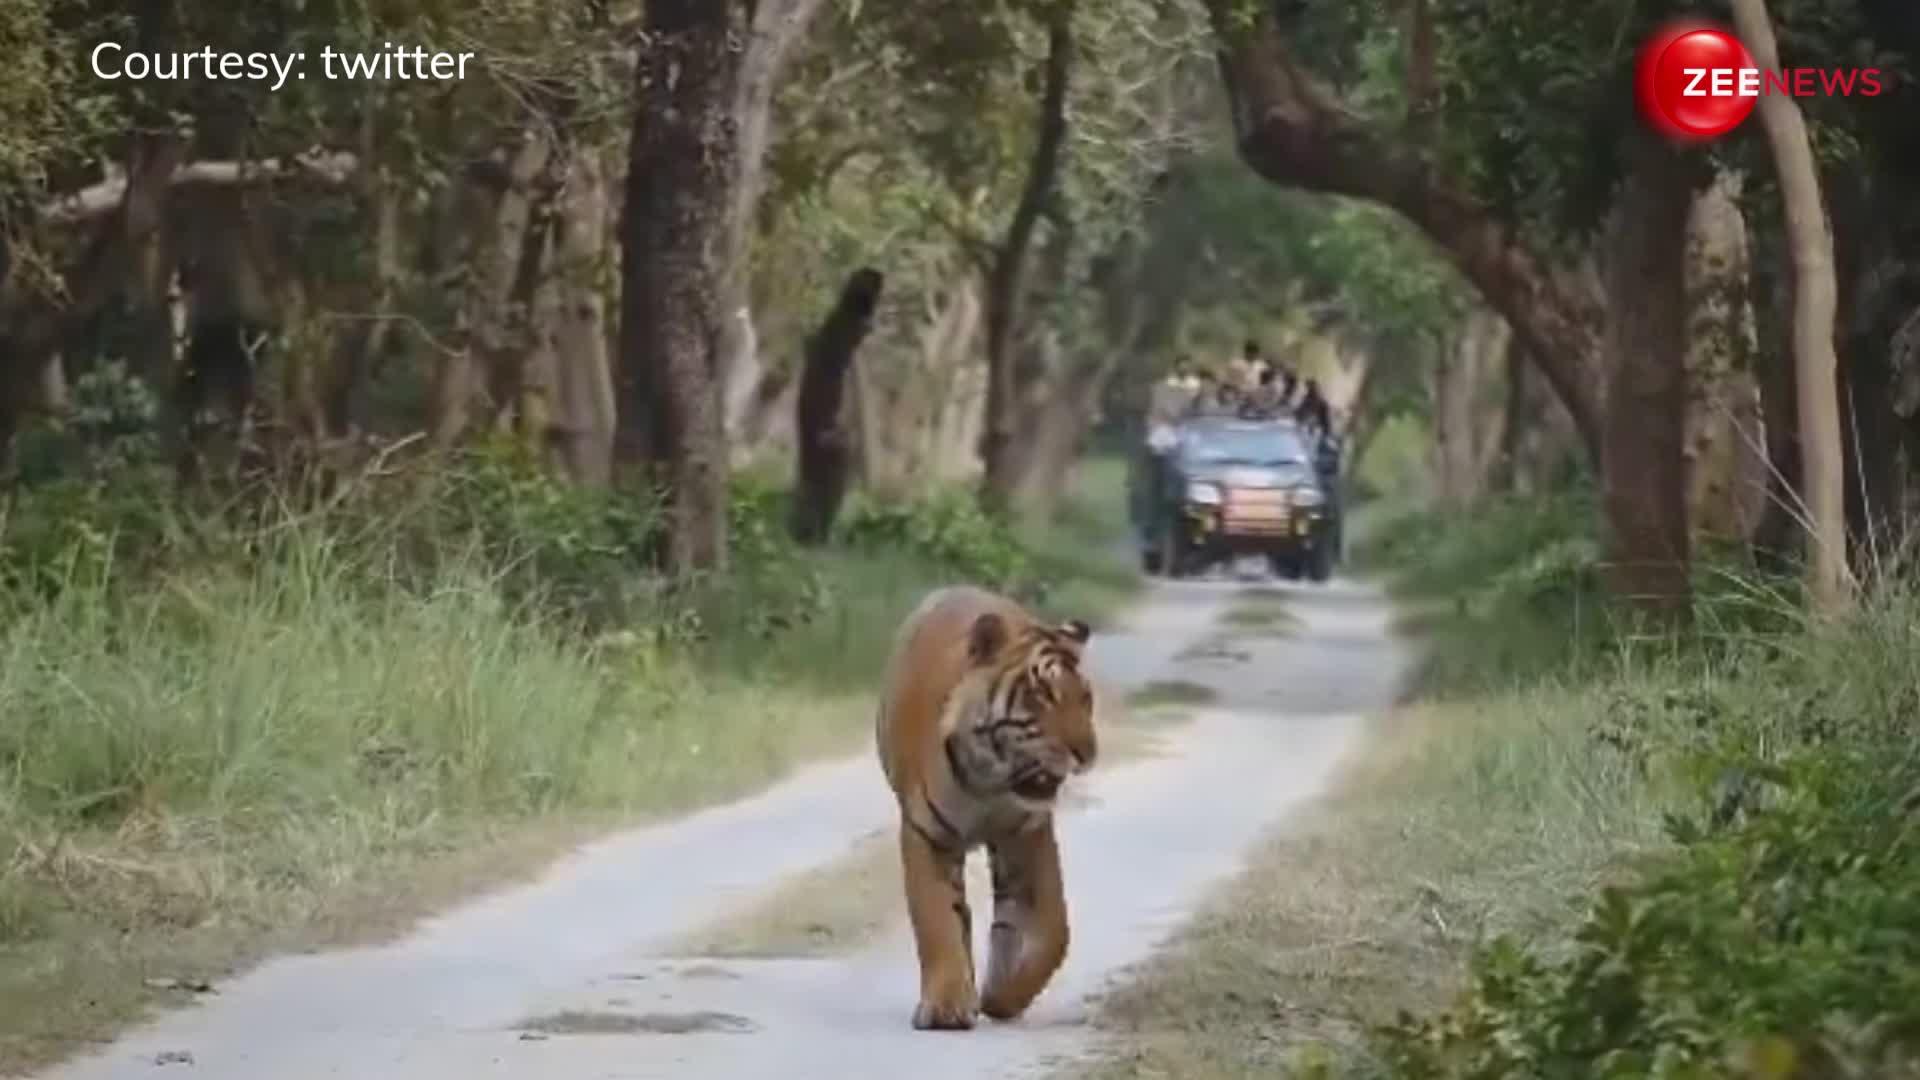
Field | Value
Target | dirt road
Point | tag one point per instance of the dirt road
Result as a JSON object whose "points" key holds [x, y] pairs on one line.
{"points": [[1280, 679]]}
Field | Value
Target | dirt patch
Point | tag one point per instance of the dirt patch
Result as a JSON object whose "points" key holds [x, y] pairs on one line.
{"points": [[1260, 613], [1263, 620], [1171, 692], [820, 912], [580, 1022], [1218, 649], [707, 971]]}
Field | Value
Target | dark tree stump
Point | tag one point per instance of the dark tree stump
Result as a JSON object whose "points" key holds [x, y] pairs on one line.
{"points": [[825, 459]]}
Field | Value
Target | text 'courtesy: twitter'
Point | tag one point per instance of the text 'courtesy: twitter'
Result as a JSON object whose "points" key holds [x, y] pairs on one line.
{"points": [[111, 61]]}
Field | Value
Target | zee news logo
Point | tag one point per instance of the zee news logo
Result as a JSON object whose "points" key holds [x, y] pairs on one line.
{"points": [[1696, 81]]}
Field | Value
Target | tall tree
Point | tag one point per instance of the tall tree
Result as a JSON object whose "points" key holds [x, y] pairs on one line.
{"points": [[1292, 132], [1644, 489], [824, 461], [1726, 476], [1006, 276], [682, 164], [1822, 465], [778, 28]]}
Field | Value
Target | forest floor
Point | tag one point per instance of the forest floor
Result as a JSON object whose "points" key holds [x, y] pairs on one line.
{"points": [[765, 937]]}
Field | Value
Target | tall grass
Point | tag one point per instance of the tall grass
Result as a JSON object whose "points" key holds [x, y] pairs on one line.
{"points": [[1502, 594], [1580, 857], [289, 736]]}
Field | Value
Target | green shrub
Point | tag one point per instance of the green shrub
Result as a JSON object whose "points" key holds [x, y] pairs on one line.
{"points": [[1528, 546], [1781, 937], [948, 529], [1511, 588], [82, 504], [579, 551]]}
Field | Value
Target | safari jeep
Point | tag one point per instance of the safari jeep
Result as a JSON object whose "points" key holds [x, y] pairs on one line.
{"points": [[1229, 488]]}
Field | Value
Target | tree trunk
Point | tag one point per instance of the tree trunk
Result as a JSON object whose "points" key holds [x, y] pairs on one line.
{"points": [[520, 360], [1291, 133], [1044, 375], [778, 27], [1777, 539], [949, 357], [1726, 472], [152, 259], [680, 174], [1903, 362], [825, 459], [365, 328], [1822, 472], [583, 419], [1876, 291], [1443, 386], [1006, 277], [1644, 490], [1545, 444], [1467, 413], [1513, 428], [1485, 352], [497, 222], [365, 338], [231, 316], [151, 256], [1060, 428]]}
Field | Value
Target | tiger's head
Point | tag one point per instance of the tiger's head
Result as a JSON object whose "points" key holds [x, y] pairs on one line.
{"points": [[1026, 718]]}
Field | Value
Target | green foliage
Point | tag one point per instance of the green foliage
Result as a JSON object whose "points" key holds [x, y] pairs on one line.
{"points": [[1394, 467], [1778, 934], [571, 549], [49, 102], [1511, 586], [1504, 549], [1781, 937], [947, 528], [1365, 262], [83, 505]]}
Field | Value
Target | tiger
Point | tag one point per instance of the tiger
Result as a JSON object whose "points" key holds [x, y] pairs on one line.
{"points": [[984, 714]]}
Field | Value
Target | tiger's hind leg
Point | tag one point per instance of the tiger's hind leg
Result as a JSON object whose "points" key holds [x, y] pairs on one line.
{"points": [[1029, 937], [942, 932]]}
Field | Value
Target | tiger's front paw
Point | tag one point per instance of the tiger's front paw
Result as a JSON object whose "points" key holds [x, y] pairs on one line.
{"points": [[950, 1011]]}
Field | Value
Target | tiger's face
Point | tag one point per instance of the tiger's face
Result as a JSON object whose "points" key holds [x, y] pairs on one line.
{"points": [[1030, 725]]}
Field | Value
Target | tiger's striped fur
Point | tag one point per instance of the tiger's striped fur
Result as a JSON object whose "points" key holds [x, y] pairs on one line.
{"points": [[984, 713]]}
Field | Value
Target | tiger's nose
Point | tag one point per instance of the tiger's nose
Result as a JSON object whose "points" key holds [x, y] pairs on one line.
{"points": [[1082, 758]]}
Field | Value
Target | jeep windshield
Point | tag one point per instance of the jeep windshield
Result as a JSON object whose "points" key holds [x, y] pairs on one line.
{"points": [[1259, 446]]}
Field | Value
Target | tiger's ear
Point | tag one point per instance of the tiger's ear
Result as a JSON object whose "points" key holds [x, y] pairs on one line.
{"points": [[985, 640], [1075, 631]]}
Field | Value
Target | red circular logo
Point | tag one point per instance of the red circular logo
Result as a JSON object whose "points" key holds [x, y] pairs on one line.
{"points": [[1695, 81]]}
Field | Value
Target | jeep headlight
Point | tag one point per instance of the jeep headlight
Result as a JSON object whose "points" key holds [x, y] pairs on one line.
{"points": [[1199, 491], [1308, 497]]}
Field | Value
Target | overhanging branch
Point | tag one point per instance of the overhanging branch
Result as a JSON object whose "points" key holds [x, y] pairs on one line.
{"points": [[1292, 133], [103, 198]]}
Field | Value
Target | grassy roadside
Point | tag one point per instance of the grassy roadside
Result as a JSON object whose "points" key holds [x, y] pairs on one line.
{"points": [[1481, 807], [1576, 854], [209, 765], [1459, 822]]}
